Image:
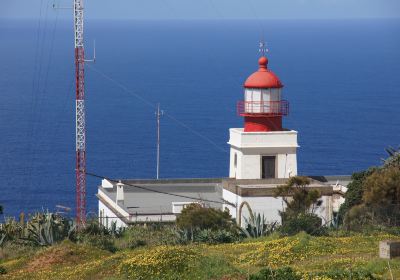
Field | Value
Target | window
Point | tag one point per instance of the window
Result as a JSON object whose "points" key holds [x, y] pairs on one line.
{"points": [[268, 167]]}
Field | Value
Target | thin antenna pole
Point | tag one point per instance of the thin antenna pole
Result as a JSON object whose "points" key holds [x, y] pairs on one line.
{"points": [[158, 115]]}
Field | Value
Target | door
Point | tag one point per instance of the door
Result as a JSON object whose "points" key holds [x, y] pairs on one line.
{"points": [[268, 167]]}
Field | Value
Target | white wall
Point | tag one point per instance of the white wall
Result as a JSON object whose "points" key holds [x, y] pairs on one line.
{"points": [[251, 146], [107, 217], [270, 206], [249, 162]]}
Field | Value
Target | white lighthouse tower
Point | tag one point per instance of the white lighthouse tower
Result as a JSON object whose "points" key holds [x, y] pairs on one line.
{"points": [[263, 148]]}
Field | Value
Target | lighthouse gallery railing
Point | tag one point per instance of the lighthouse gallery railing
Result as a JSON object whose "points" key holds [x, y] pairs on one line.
{"points": [[270, 108]]}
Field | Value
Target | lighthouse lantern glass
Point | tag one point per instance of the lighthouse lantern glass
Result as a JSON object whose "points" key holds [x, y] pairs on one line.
{"points": [[261, 100]]}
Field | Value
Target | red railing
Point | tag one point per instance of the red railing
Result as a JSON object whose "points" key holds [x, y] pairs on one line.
{"points": [[263, 108]]}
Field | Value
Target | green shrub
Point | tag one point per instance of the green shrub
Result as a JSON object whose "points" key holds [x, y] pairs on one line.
{"points": [[2, 270], [339, 274], [152, 235], [215, 236], [287, 273], [104, 242], [195, 216], [309, 223], [284, 273]]}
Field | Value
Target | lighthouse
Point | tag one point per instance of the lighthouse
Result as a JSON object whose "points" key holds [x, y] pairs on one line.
{"points": [[263, 148]]}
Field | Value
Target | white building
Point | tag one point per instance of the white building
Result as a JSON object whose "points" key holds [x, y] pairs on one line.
{"points": [[142, 201]]}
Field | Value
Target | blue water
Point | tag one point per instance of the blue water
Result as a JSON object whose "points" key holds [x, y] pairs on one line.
{"points": [[341, 78]]}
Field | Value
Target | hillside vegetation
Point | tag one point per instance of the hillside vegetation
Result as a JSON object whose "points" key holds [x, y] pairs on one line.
{"points": [[310, 257]]}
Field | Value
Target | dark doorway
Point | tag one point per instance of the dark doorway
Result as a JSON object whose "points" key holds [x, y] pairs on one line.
{"points": [[268, 167]]}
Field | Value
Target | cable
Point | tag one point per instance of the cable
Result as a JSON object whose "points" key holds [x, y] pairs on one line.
{"points": [[154, 107], [161, 192], [37, 62], [53, 35], [259, 20], [43, 45], [37, 48], [38, 96]]}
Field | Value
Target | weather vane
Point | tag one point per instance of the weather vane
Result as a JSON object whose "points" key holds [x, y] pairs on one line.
{"points": [[263, 47]]}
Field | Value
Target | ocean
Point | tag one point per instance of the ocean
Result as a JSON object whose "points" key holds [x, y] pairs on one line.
{"points": [[341, 78]]}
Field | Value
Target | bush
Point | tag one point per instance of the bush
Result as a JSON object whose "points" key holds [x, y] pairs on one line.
{"points": [[378, 203], [195, 216], [215, 236], [354, 193], [2, 270], [104, 242], [153, 235], [285, 273], [339, 274], [309, 223]]}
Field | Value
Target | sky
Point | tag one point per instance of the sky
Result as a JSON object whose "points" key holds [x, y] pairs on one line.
{"points": [[210, 9]]}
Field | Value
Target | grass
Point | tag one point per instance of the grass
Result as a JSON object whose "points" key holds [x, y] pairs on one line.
{"points": [[304, 253]]}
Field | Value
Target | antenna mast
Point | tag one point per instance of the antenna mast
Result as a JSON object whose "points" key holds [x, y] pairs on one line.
{"points": [[263, 49], [158, 115], [80, 115]]}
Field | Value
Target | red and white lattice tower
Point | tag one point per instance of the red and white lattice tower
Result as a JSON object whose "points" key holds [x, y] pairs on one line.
{"points": [[80, 115]]}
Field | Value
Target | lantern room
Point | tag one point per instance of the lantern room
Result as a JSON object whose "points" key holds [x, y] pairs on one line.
{"points": [[263, 106]]}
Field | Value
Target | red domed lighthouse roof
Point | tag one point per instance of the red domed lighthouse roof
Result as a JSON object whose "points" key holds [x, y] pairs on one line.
{"points": [[263, 78]]}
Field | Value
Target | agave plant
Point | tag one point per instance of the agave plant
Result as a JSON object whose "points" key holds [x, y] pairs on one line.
{"points": [[257, 226], [45, 229], [10, 230], [394, 157]]}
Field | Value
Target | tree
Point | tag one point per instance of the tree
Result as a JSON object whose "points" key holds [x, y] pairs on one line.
{"points": [[373, 197], [382, 187], [301, 202], [1, 209], [380, 201], [298, 197], [354, 194]]}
